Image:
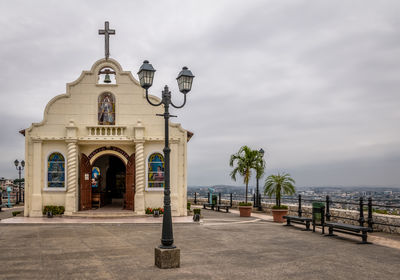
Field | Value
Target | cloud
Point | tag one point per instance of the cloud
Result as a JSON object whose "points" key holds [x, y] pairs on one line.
{"points": [[315, 83]]}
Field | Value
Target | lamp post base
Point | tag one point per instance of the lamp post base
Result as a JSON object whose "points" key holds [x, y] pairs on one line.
{"points": [[167, 258]]}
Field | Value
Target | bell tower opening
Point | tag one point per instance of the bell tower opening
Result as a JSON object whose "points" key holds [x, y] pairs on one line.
{"points": [[106, 76], [108, 182]]}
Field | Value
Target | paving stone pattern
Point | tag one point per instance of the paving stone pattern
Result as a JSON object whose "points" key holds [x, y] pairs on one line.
{"points": [[220, 248]]}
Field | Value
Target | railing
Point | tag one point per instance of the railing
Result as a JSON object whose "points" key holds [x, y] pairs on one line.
{"points": [[106, 130], [358, 207]]}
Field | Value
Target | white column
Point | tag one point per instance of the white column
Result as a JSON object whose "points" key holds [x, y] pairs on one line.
{"points": [[36, 198], [140, 177], [175, 187], [71, 203]]}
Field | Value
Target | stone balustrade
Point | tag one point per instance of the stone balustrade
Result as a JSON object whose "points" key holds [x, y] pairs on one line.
{"points": [[106, 130]]}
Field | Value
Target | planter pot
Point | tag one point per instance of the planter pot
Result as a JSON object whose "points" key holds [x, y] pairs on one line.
{"points": [[49, 214], [156, 214], [278, 215], [245, 211], [196, 217]]}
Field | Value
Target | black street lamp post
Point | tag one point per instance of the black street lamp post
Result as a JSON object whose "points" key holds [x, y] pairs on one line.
{"points": [[258, 199], [19, 166], [185, 79]]}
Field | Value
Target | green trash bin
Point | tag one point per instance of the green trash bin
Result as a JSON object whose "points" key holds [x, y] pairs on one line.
{"points": [[214, 199], [318, 210]]}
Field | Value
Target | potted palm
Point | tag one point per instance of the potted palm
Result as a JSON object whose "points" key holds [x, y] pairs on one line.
{"points": [[245, 209], [278, 185], [243, 162]]}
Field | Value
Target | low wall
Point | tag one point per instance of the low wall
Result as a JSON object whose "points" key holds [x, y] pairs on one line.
{"points": [[376, 218]]}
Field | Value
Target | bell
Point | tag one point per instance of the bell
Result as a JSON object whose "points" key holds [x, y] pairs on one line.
{"points": [[107, 79]]}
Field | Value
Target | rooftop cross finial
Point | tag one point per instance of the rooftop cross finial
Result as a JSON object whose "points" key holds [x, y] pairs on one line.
{"points": [[107, 32]]}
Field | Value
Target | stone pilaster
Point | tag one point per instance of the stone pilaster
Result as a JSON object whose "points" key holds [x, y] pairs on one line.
{"points": [[36, 198], [140, 178], [71, 201]]}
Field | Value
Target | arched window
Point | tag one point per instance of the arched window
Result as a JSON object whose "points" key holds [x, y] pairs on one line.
{"points": [[56, 171], [106, 109], [155, 171]]}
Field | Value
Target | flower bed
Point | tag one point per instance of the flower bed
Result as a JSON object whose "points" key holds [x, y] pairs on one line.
{"points": [[150, 211]]}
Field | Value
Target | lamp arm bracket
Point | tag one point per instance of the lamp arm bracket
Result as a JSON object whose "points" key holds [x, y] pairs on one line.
{"points": [[184, 102], [148, 99]]}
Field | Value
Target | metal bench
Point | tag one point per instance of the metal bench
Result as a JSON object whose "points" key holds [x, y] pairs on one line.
{"points": [[349, 229], [357, 230], [298, 220], [223, 206], [211, 205]]}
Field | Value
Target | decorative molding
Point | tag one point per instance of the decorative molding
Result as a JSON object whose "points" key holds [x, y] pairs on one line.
{"points": [[106, 85], [103, 138], [41, 138], [111, 148]]}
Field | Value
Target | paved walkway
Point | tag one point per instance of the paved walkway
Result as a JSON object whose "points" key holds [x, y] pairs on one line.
{"points": [[7, 212], [224, 246], [68, 220]]}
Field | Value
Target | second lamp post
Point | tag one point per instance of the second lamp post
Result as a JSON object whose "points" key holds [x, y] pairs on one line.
{"points": [[185, 79], [19, 166]]}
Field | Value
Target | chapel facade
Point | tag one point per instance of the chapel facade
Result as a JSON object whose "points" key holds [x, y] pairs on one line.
{"points": [[101, 144]]}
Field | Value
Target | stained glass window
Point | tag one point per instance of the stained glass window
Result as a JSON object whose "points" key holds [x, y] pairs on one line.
{"points": [[95, 177], [106, 109], [155, 176], [56, 171]]}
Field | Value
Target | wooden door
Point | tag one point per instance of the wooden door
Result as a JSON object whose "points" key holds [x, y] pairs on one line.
{"points": [[130, 183], [85, 190]]}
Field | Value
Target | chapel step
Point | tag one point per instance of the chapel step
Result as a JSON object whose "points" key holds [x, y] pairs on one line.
{"points": [[94, 214]]}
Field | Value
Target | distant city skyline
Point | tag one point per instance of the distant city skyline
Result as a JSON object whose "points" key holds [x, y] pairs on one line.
{"points": [[313, 83]]}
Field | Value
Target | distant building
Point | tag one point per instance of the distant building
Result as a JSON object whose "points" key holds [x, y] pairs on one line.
{"points": [[4, 184]]}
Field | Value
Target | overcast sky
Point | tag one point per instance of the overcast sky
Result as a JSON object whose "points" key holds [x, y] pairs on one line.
{"points": [[314, 83]]}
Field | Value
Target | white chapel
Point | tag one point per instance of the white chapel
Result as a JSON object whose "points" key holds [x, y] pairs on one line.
{"points": [[101, 144]]}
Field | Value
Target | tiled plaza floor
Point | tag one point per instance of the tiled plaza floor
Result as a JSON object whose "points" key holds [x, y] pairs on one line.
{"points": [[224, 246]]}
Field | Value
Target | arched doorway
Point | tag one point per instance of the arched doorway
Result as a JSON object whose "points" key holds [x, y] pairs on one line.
{"points": [[107, 181], [109, 186]]}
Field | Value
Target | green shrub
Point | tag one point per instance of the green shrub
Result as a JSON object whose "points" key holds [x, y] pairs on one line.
{"points": [[244, 203], [196, 211], [380, 211], [280, 207], [188, 206], [15, 213], [56, 210]]}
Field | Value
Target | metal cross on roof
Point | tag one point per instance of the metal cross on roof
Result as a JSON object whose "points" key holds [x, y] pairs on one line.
{"points": [[107, 32]]}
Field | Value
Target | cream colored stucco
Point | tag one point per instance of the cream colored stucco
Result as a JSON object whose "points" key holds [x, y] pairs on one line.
{"points": [[66, 128]]}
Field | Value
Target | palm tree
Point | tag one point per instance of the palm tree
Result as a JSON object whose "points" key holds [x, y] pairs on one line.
{"points": [[278, 185], [243, 162]]}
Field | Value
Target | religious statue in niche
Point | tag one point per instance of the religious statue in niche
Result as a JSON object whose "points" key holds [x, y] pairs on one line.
{"points": [[106, 115]]}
